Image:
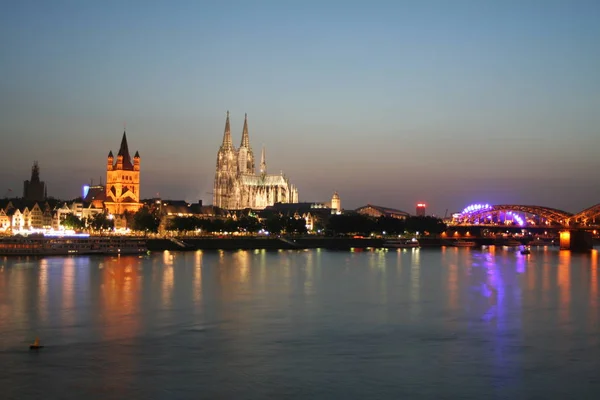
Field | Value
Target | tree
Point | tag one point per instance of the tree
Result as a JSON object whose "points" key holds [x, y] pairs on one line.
{"points": [[428, 224], [249, 224], [184, 224], [390, 225], [71, 221], [295, 226], [351, 223], [273, 224], [145, 221], [100, 221]]}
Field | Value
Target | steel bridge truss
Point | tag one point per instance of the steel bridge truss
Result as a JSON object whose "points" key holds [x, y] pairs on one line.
{"points": [[551, 214], [588, 215]]}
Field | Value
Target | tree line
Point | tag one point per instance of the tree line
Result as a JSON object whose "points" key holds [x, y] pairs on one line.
{"points": [[246, 224], [146, 220], [345, 224]]}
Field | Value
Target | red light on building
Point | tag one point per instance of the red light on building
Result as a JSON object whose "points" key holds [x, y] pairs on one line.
{"points": [[421, 209]]}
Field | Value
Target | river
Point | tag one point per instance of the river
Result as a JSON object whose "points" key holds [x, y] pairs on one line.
{"points": [[449, 323]]}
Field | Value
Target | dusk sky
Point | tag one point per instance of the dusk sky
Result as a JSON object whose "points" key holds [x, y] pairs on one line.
{"points": [[389, 103]]}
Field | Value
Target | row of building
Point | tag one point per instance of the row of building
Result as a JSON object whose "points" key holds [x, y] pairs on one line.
{"points": [[19, 215], [237, 186], [23, 215]]}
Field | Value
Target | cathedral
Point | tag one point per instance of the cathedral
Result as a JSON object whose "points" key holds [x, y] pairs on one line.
{"points": [[122, 181], [238, 186]]}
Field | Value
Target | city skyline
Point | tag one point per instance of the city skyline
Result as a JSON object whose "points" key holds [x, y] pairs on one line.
{"points": [[385, 103]]}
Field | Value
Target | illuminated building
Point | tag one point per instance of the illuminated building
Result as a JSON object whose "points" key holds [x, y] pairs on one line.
{"points": [[94, 195], [237, 186], [34, 189], [421, 209], [378, 211], [336, 204], [5, 221], [122, 181]]}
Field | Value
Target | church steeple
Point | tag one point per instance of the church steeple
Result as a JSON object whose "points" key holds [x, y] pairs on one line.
{"points": [[245, 137], [124, 152], [227, 143], [263, 162]]}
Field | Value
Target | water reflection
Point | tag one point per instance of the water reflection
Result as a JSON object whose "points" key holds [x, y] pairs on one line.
{"points": [[198, 277], [309, 270], [167, 285], [415, 287], [594, 311], [43, 290], [242, 259], [564, 285], [4, 295], [452, 287], [521, 261], [120, 298], [68, 291], [265, 317]]}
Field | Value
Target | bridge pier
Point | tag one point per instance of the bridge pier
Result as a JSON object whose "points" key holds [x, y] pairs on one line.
{"points": [[576, 240]]}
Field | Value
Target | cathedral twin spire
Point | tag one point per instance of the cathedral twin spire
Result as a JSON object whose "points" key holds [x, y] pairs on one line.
{"points": [[244, 153], [227, 142]]}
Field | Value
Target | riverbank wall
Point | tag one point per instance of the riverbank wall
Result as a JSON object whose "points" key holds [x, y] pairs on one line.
{"points": [[288, 243]]}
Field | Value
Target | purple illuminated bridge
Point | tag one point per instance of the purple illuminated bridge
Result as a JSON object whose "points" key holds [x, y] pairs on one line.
{"points": [[526, 215]]}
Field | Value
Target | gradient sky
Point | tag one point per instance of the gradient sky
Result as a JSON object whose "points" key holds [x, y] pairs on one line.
{"points": [[387, 102]]}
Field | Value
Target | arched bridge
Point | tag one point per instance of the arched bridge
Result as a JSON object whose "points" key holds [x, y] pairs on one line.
{"points": [[589, 215], [478, 213]]}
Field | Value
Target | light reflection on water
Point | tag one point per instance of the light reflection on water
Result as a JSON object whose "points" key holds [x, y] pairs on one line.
{"points": [[417, 323], [198, 277]]}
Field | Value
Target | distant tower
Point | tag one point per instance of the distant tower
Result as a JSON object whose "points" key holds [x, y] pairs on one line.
{"points": [[336, 204], [263, 162], [421, 209], [34, 189], [122, 181]]}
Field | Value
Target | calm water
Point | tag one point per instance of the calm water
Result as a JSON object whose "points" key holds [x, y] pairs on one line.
{"points": [[417, 324]]}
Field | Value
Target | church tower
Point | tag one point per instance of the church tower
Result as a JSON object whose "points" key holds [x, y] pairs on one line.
{"points": [[336, 204], [245, 154], [122, 181], [227, 167], [34, 189]]}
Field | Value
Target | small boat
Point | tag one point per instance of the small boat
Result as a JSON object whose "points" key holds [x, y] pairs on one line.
{"points": [[526, 250], [36, 345], [464, 243], [401, 244]]}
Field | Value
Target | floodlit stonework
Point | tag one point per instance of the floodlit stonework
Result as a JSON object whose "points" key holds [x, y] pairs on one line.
{"points": [[122, 181], [237, 186]]}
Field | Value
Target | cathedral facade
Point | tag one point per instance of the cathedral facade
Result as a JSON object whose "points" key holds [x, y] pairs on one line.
{"points": [[122, 181], [238, 186]]}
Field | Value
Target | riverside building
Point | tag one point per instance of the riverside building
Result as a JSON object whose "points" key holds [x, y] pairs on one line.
{"points": [[122, 181]]}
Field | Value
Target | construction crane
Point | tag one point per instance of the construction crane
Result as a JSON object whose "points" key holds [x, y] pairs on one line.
{"points": [[224, 195]]}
